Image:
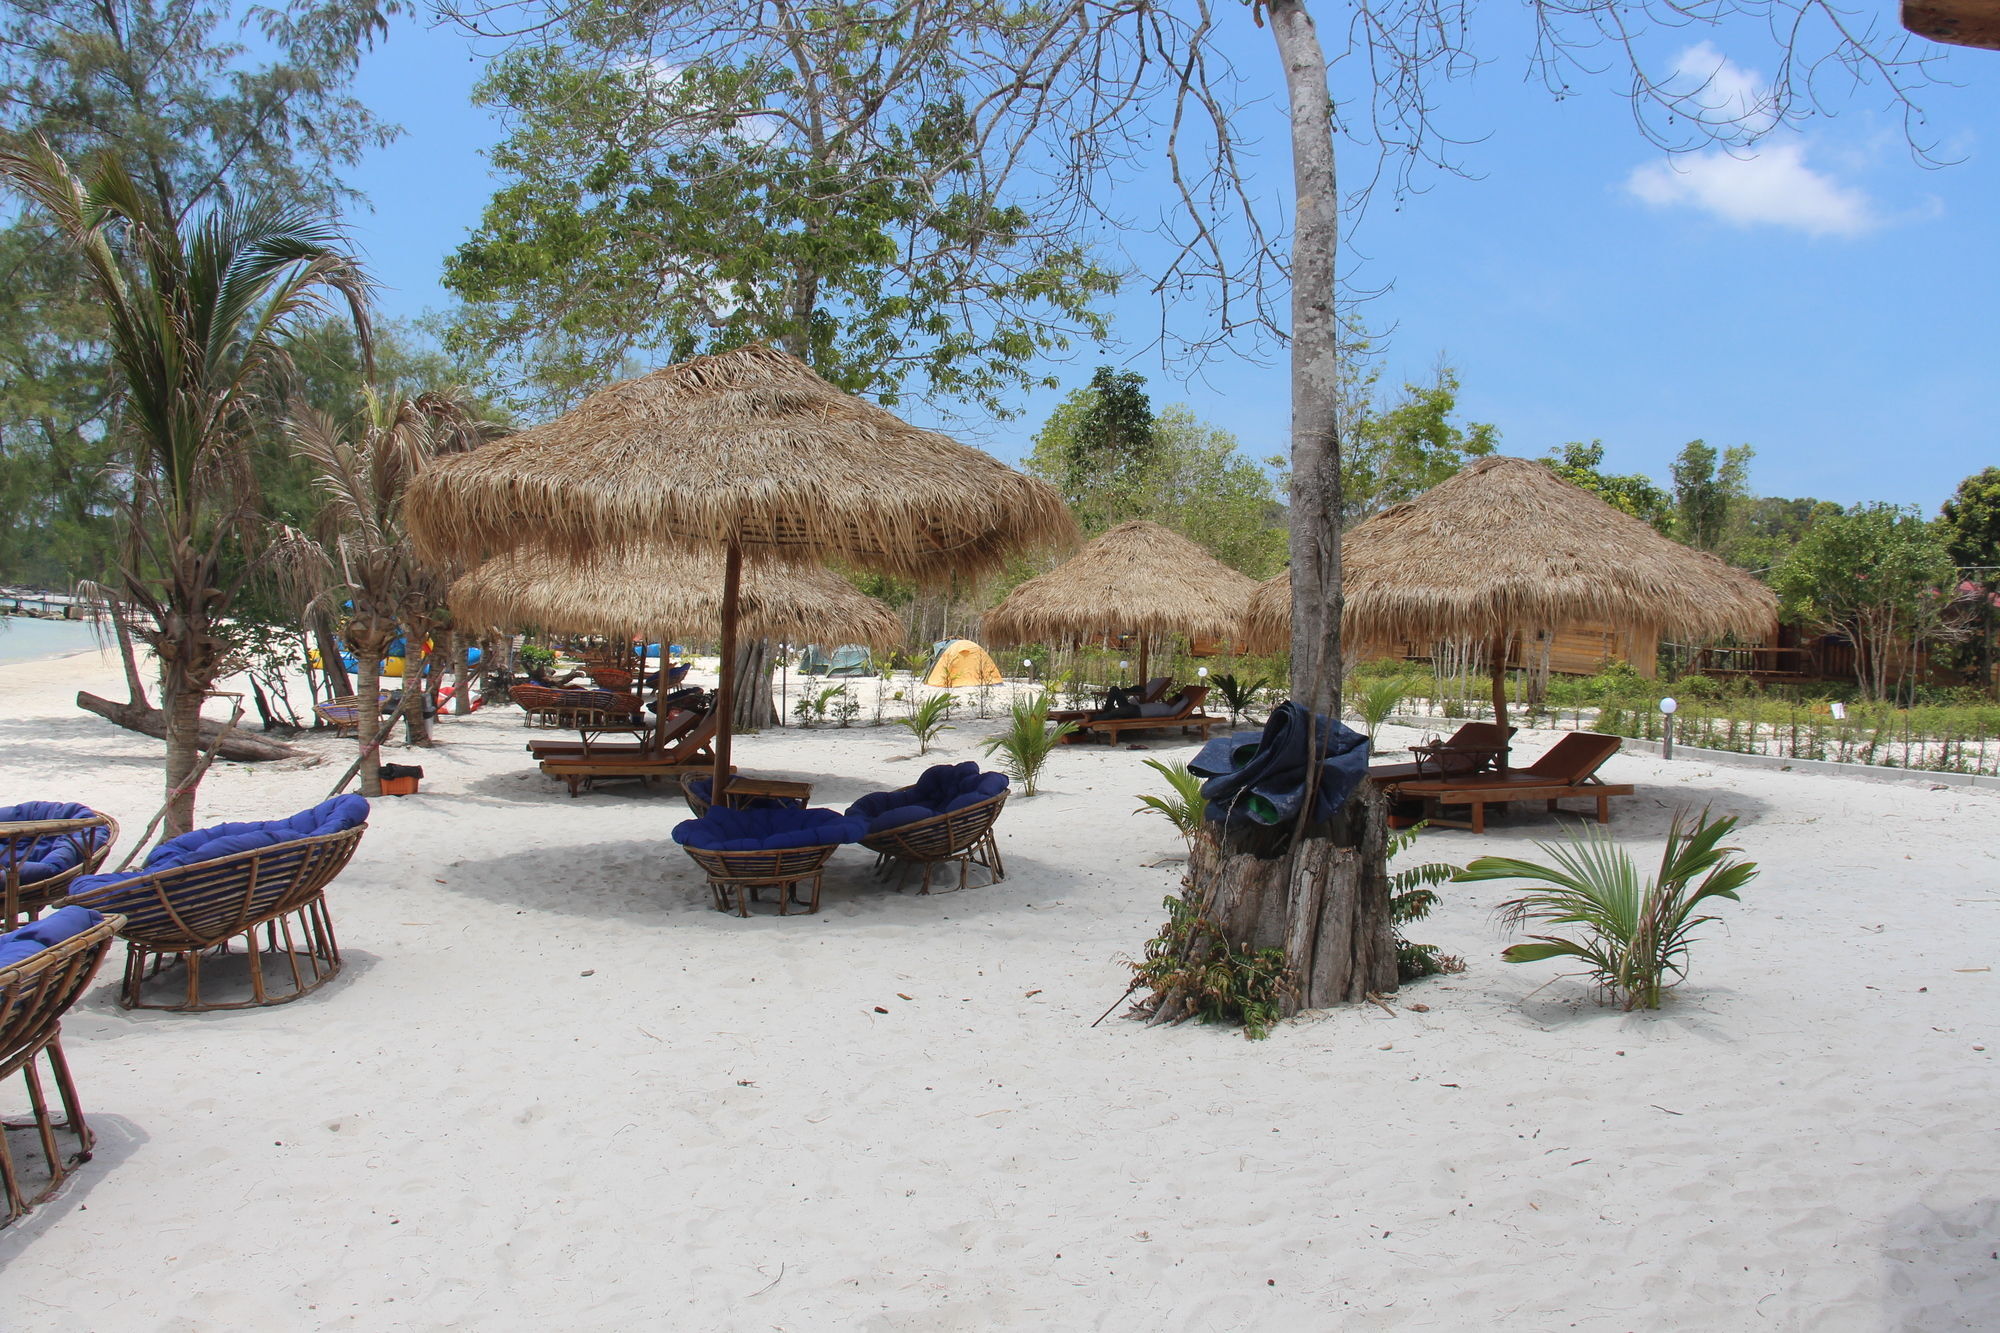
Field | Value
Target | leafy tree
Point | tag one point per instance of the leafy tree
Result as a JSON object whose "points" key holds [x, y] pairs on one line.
{"points": [[364, 468], [196, 115], [1399, 450], [815, 186], [197, 315], [1878, 574], [1971, 523], [1708, 493], [1768, 527], [1635, 493], [1186, 475]]}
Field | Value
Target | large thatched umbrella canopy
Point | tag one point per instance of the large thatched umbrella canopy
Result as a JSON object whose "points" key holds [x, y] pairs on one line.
{"points": [[1138, 578], [1507, 549], [747, 451], [639, 594]]}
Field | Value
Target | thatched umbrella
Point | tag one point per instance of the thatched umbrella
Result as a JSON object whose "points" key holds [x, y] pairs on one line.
{"points": [[745, 451], [1508, 549], [632, 594], [1137, 578]]}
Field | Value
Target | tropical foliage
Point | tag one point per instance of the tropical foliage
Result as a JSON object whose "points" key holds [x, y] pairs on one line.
{"points": [[1632, 935], [1028, 742], [1183, 805], [197, 317]]}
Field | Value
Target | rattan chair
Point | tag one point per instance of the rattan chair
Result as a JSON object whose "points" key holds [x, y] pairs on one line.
{"points": [[964, 835], [28, 846], [735, 877], [184, 911], [34, 995]]}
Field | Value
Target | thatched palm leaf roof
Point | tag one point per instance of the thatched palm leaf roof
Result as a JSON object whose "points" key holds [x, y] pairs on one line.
{"points": [[1506, 547], [748, 446], [1138, 577], [677, 592]]}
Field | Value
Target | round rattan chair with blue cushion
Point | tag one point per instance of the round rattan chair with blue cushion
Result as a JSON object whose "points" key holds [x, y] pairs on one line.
{"points": [[203, 889], [743, 851], [44, 966], [44, 846], [946, 815]]}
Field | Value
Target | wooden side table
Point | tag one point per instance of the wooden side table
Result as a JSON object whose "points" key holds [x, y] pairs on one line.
{"points": [[742, 790]]}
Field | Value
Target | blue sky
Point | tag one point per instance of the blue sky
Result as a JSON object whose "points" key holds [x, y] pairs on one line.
{"points": [[1827, 300]]}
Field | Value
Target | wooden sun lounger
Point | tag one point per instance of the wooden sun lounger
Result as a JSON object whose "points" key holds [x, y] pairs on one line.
{"points": [[1151, 692], [1568, 771], [1474, 748], [1187, 717], [691, 755], [677, 727]]}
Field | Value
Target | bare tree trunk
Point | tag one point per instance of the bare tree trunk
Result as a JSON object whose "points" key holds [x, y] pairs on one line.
{"points": [[241, 746], [461, 676], [331, 667], [183, 699], [416, 726], [134, 683], [755, 662], [368, 720], [1321, 894]]}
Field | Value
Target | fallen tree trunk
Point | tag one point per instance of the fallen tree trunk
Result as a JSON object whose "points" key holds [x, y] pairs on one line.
{"points": [[152, 722]]}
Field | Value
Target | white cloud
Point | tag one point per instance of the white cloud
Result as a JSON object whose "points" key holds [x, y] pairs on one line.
{"points": [[1711, 88], [1771, 186]]}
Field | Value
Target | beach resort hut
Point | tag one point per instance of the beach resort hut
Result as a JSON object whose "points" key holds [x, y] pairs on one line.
{"points": [[1506, 551], [747, 453], [1138, 578], [961, 662]]}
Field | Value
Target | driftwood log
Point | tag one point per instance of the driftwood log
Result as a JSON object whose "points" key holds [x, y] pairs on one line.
{"points": [[238, 745]]}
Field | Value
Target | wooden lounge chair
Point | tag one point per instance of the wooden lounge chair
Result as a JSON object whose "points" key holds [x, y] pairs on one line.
{"points": [[1476, 747], [691, 753], [677, 727], [34, 994], [1567, 771], [184, 909], [1151, 692], [342, 713], [1185, 715], [742, 851], [572, 708], [44, 845]]}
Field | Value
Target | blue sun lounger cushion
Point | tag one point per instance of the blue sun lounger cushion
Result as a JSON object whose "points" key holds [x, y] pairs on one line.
{"points": [[941, 790], [725, 830], [208, 844], [17, 946], [52, 853]]}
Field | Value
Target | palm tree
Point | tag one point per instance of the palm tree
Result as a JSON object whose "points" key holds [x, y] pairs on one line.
{"points": [[363, 545], [198, 312]]}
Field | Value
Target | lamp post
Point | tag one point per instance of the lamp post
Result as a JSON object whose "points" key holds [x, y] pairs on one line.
{"points": [[1668, 707]]}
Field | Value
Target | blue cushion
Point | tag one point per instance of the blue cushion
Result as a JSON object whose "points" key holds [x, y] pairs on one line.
{"points": [[964, 799], [899, 816], [1160, 709], [206, 844], [875, 802], [990, 784], [726, 830], [59, 925], [17, 946], [44, 857], [13, 950]]}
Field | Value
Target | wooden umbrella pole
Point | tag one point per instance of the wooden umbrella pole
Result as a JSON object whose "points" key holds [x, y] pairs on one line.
{"points": [[1497, 650], [1145, 644], [659, 695], [725, 689]]}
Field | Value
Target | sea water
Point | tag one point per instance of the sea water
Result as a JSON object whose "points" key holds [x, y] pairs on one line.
{"points": [[27, 639]]}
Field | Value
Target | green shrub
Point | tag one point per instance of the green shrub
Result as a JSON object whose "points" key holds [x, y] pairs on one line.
{"points": [[1376, 701], [1634, 936], [1183, 806], [1238, 695], [926, 719], [1027, 744], [1412, 895], [1191, 957]]}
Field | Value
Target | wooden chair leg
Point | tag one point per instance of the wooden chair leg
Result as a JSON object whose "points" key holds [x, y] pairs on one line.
{"points": [[1479, 816], [1604, 809]]}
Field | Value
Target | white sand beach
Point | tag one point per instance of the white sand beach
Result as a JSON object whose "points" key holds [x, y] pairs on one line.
{"points": [[553, 1089]]}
